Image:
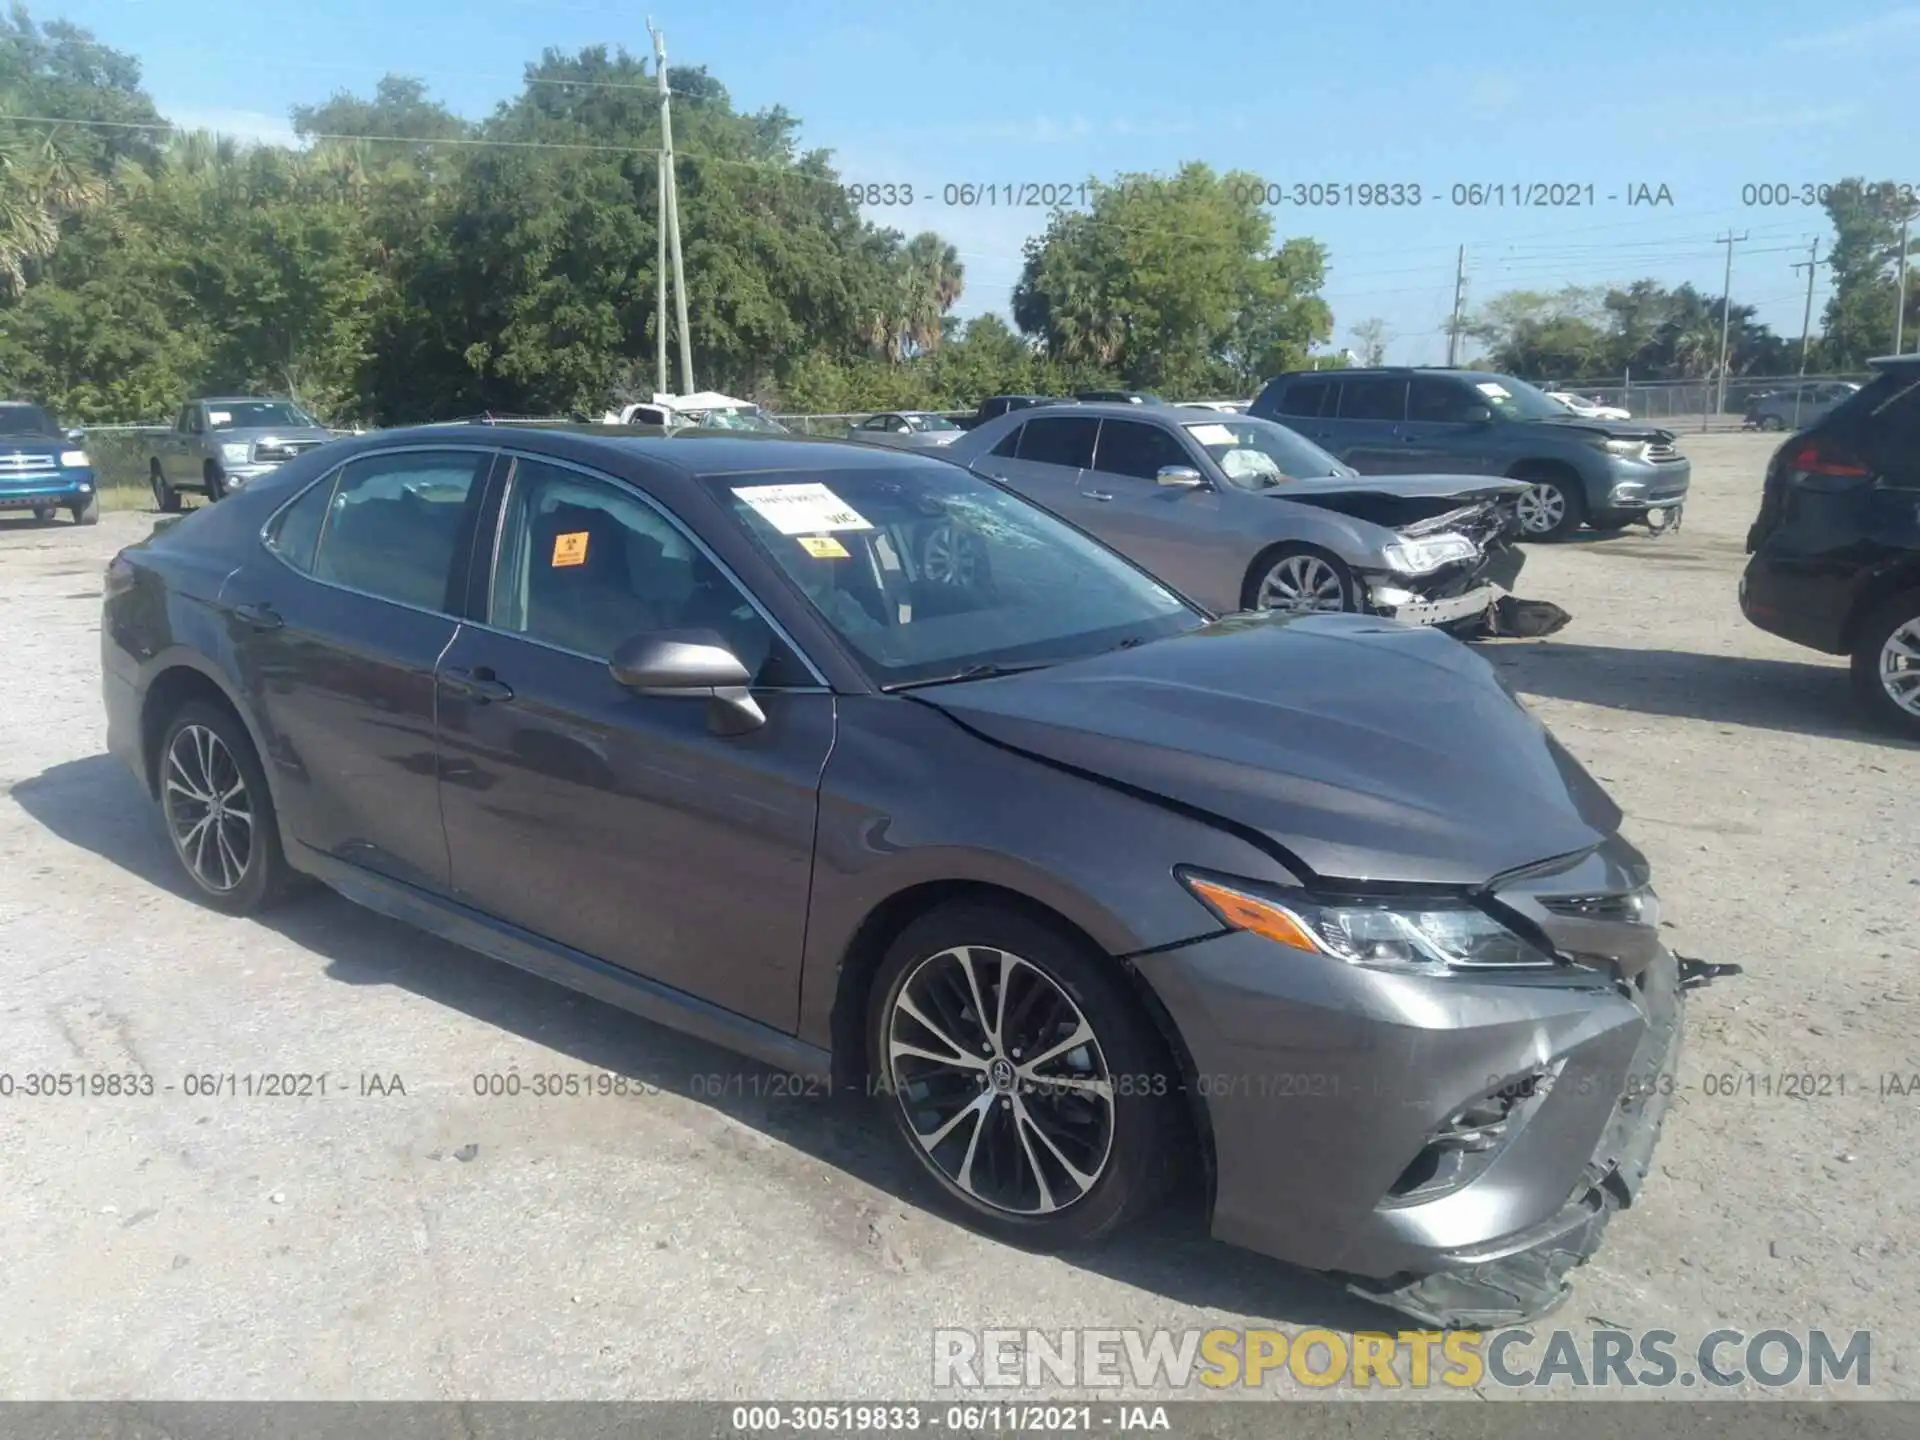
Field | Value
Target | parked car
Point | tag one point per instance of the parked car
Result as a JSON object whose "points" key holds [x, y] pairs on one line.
{"points": [[909, 429], [706, 410], [1120, 397], [1229, 407], [1797, 406], [1243, 514], [1607, 474], [217, 445], [994, 406], [1836, 545], [42, 467], [1066, 871], [1589, 409]]}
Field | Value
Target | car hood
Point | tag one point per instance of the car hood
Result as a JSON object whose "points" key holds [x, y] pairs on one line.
{"points": [[1611, 429], [1367, 750], [1406, 487], [35, 444]]}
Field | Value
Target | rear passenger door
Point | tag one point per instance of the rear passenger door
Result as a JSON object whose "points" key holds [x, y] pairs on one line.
{"points": [[337, 623], [1046, 460], [1305, 406], [1366, 431]]}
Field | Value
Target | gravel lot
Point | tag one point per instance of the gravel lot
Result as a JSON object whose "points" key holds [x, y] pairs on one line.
{"points": [[435, 1244]]}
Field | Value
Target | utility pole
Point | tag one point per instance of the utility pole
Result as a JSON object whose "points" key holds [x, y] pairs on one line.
{"points": [[1900, 289], [660, 276], [670, 218], [1726, 313], [1810, 264], [1459, 296]]}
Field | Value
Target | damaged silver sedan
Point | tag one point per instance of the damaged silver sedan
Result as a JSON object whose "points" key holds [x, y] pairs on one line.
{"points": [[1244, 514]]}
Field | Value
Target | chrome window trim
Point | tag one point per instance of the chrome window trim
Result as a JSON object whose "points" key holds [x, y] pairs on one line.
{"points": [[331, 477], [628, 488]]}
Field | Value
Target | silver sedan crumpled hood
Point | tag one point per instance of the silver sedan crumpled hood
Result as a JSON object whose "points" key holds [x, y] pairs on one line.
{"points": [[1408, 487], [1369, 751]]}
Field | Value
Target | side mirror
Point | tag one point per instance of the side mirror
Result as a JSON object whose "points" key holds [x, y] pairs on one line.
{"points": [[76, 435], [692, 663], [1181, 477], [1477, 415]]}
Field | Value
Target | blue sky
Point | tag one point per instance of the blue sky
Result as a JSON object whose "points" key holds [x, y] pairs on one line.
{"points": [[1702, 98]]}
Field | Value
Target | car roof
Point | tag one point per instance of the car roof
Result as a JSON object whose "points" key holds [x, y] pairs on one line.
{"points": [[1887, 362], [692, 452]]}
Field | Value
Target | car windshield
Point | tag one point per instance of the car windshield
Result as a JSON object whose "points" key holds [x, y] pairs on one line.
{"points": [[1513, 399], [257, 415], [26, 420], [928, 572], [930, 422], [1259, 454]]}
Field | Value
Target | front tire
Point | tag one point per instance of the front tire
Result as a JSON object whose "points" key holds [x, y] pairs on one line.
{"points": [[87, 512], [1020, 1078], [216, 483], [166, 499], [1551, 508], [1300, 580], [43, 513], [218, 812], [1886, 663], [1772, 422]]}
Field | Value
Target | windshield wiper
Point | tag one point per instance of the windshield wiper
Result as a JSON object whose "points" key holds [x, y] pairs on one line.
{"points": [[985, 671]]}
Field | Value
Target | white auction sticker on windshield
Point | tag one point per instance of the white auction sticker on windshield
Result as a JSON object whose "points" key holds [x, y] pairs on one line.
{"points": [[1211, 434], [810, 509], [1498, 392], [219, 417]]}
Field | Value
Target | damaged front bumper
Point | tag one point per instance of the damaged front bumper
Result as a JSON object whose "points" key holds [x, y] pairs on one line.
{"points": [[1459, 593]]}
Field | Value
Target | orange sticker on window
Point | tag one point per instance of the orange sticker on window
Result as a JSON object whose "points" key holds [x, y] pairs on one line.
{"points": [[823, 547], [570, 549]]}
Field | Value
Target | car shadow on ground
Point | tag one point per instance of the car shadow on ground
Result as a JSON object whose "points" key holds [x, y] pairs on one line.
{"points": [[1790, 695], [95, 804]]}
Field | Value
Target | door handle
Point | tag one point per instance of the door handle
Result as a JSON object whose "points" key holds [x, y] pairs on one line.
{"points": [[1098, 494], [478, 685], [260, 616]]}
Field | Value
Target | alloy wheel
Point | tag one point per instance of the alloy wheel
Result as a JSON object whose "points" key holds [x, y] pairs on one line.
{"points": [[1302, 584], [951, 556], [1900, 666], [1001, 1080], [1542, 507], [209, 813]]}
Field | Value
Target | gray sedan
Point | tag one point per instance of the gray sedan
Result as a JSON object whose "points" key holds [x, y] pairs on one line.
{"points": [[909, 429], [1244, 514]]}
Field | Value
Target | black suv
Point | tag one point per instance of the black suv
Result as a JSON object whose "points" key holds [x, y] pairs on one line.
{"points": [[1836, 547], [1604, 473]]}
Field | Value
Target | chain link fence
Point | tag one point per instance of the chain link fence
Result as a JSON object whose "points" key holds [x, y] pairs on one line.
{"points": [[1752, 401]]}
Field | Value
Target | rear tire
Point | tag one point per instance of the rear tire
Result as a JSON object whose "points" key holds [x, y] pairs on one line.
{"points": [[1553, 508], [229, 849], [87, 512], [1886, 662], [1035, 1140], [166, 499]]}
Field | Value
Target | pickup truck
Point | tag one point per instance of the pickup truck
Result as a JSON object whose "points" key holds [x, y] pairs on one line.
{"points": [[42, 467], [218, 445]]}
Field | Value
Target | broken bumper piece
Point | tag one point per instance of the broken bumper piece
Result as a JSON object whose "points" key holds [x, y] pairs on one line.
{"points": [[1414, 609]]}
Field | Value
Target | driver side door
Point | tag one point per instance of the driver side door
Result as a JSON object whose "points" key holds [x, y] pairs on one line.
{"points": [[617, 824]]}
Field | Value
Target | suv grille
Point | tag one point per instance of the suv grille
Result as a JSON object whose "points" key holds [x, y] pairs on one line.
{"points": [[284, 450], [12, 465], [1662, 450]]}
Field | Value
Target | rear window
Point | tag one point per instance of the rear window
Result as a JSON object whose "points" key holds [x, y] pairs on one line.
{"points": [[1302, 397], [1062, 441], [1380, 398], [1880, 404]]}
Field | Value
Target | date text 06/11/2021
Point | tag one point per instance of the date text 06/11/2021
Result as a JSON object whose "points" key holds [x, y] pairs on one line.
{"points": [[1299, 194]]}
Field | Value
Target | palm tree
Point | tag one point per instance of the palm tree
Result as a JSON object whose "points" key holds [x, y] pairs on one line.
{"points": [[935, 279], [40, 185]]}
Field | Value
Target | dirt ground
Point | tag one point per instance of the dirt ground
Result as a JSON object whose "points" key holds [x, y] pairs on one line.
{"points": [[706, 1239]]}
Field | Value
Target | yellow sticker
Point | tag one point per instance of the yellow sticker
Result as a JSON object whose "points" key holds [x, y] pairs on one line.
{"points": [[823, 547], [570, 549]]}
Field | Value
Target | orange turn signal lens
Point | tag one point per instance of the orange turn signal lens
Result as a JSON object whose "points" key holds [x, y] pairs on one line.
{"points": [[1249, 912]]}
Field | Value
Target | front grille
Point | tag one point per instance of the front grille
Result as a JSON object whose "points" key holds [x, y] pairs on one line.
{"points": [[283, 450], [16, 464], [1662, 450]]}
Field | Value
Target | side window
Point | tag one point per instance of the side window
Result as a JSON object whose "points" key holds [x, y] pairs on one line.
{"points": [[874, 422], [196, 420], [1009, 445], [1433, 399], [1374, 398], [1128, 447], [394, 524], [183, 423], [295, 532], [1059, 441], [585, 565], [1893, 437], [1303, 397]]}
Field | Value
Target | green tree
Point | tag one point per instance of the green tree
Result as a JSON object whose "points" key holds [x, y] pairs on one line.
{"points": [[1857, 323]]}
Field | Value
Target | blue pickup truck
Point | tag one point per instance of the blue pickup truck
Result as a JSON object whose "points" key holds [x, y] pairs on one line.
{"points": [[43, 468]]}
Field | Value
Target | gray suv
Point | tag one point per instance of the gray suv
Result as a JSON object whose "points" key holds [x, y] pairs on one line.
{"points": [[1604, 473]]}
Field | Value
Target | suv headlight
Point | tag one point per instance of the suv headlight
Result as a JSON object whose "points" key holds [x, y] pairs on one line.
{"points": [[1428, 553], [235, 454], [1631, 449], [74, 460], [1407, 936]]}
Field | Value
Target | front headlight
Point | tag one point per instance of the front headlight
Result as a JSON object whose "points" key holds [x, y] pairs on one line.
{"points": [[1428, 553], [74, 460], [1631, 449], [235, 454], [1405, 936]]}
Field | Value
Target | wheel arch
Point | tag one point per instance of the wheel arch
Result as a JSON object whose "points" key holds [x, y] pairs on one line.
{"points": [[1895, 581], [182, 677], [1269, 553]]}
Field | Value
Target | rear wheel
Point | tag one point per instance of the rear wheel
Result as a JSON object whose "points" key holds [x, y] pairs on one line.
{"points": [[1296, 579], [1552, 506], [1020, 1076], [166, 499], [213, 795], [1886, 662]]}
